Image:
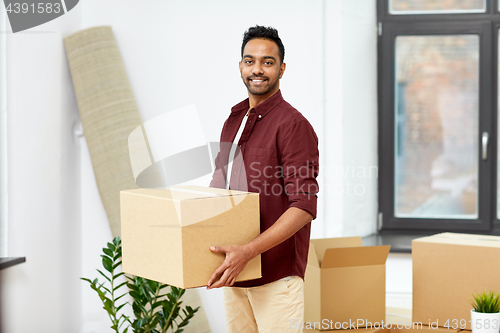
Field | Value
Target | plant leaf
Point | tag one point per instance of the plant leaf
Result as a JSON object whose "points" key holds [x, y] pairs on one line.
{"points": [[156, 304], [486, 302], [108, 305], [108, 252], [105, 276], [108, 264], [120, 307], [120, 285], [117, 264], [112, 247], [116, 299]]}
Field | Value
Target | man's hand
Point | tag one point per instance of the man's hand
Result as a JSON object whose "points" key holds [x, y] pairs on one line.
{"points": [[237, 257]]}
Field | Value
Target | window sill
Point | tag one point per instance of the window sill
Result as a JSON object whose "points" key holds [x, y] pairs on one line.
{"points": [[399, 242], [6, 262]]}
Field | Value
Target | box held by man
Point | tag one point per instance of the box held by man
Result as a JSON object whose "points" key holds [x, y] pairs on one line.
{"points": [[167, 233]]}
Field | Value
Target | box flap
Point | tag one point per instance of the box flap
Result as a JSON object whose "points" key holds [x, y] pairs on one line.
{"points": [[312, 257], [200, 192], [356, 256], [181, 198], [187, 192], [328, 243], [462, 239], [169, 193]]}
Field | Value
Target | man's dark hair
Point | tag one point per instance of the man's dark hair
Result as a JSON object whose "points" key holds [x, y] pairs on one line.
{"points": [[263, 32]]}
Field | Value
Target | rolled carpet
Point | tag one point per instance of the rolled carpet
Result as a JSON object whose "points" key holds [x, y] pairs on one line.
{"points": [[108, 112]]}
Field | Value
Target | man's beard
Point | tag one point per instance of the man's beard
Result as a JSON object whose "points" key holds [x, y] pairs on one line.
{"points": [[260, 92]]}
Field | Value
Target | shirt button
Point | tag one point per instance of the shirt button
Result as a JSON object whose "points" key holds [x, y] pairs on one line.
{"points": [[260, 116]]}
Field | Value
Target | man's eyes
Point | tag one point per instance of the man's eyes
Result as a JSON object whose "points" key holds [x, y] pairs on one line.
{"points": [[267, 63]]}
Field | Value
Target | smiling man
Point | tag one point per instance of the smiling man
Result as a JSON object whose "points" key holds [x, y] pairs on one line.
{"points": [[280, 162]]}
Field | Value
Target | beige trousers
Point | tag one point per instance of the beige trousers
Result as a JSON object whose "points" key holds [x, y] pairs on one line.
{"points": [[270, 308]]}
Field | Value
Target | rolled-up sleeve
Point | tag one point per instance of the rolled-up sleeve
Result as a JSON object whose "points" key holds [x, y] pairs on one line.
{"points": [[300, 162]]}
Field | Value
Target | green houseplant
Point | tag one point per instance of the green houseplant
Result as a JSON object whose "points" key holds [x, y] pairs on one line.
{"points": [[155, 309], [486, 302], [485, 315]]}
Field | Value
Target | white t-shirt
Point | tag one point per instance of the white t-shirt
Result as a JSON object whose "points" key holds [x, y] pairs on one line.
{"points": [[233, 150]]}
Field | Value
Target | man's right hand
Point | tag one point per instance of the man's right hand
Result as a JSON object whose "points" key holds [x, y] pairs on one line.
{"points": [[237, 257]]}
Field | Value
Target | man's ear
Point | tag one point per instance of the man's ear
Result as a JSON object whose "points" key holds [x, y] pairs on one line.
{"points": [[282, 69], [239, 65]]}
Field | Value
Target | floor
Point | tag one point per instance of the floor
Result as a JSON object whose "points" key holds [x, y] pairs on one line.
{"points": [[398, 300], [398, 308]]}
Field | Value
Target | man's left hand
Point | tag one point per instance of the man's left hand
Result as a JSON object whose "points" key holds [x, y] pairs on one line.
{"points": [[237, 257]]}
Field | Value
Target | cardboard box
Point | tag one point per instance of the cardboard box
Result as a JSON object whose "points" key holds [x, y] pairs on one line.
{"points": [[345, 282], [448, 269], [167, 233]]}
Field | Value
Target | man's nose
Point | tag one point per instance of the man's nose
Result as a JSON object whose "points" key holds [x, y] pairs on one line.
{"points": [[257, 69]]}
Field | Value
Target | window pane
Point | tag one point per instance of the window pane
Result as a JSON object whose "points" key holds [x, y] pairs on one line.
{"points": [[436, 6], [436, 127]]}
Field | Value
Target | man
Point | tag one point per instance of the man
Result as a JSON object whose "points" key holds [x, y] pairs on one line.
{"points": [[280, 162]]}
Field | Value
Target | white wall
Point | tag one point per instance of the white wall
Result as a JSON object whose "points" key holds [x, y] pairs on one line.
{"points": [[42, 295], [176, 53], [399, 273], [399, 280], [350, 134]]}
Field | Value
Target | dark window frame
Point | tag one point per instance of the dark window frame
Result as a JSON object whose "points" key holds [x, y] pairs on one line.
{"points": [[486, 25]]}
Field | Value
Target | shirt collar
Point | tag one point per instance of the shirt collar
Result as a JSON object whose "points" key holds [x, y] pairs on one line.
{"points": [[263, 108]]}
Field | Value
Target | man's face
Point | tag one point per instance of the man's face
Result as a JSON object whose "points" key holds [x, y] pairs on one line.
{"points": [[260, 67]]}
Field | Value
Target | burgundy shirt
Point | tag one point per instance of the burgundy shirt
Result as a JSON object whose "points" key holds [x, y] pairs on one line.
{"points": [[280, 162]]}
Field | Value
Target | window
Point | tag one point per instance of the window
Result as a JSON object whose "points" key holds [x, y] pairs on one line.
{"points": [[438, 115], [412, 7]]}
